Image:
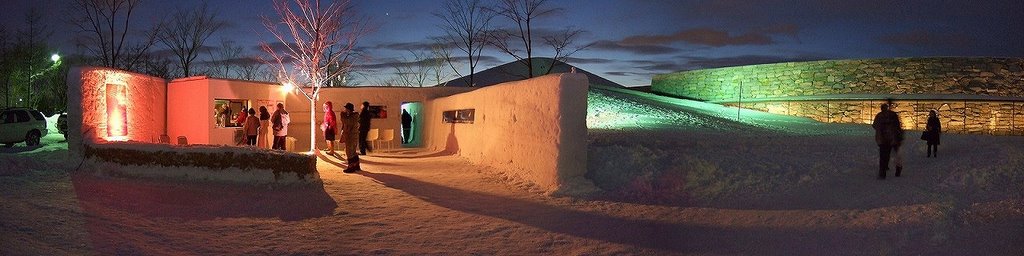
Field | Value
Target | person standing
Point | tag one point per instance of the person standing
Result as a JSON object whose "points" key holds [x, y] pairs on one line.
{"points": [[329, 126], [406, 126], [263, 141], [349, 128], [240, 119], [280, 121], [933, 131], [251, 127], [364, 128], [888, 136]]}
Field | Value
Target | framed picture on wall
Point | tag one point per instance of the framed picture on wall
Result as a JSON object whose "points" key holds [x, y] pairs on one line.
{"points": [[461, 116], [378, 112]]}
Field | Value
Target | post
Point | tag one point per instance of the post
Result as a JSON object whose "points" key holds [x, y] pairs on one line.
{"points": [[739, 101]]}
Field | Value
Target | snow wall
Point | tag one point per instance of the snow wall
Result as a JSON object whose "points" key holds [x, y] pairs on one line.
{"points": [[390, 97], [533, 129], [191, 109], [144, 106]]}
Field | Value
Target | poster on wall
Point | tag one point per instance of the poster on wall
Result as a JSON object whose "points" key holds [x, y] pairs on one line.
{"points": [[378, 112]]}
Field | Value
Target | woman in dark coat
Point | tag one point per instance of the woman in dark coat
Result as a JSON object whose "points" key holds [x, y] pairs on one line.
{"points": [[933, 132]]}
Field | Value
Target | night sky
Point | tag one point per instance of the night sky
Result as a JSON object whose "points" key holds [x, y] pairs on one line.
{"points": [[632, 40]]}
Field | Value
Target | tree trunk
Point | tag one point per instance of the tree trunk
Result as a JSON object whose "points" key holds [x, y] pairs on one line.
{"points": [[312, 124]]}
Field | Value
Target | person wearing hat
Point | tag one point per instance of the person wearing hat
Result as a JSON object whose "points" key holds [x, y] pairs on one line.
{"points": [[350, 135]]}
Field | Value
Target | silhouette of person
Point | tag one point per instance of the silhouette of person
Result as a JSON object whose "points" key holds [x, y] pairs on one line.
{"points": [[364, 128], [933, 133], [406, 126], [888, 136]]}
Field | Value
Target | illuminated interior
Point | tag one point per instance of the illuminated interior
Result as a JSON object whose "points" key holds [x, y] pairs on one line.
{"points": [[117, 113], [415, 109]]}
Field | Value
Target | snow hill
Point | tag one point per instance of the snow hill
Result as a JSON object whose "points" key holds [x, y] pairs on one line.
{"points": [[514, 71]]}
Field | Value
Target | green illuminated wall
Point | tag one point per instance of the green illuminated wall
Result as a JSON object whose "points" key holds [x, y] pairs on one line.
{"points": [[940, 75], [947, 84]]}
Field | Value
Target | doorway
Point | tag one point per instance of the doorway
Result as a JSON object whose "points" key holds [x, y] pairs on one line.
{"points": [[413, 137]]}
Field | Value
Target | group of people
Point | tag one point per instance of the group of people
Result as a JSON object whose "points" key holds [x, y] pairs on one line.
{"points": [[889, 137], [258, 130], [354, 129]]}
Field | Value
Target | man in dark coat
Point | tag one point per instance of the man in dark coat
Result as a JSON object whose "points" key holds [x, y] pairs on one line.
{"points": [[406, 126], [364, 128], [888, 136]]}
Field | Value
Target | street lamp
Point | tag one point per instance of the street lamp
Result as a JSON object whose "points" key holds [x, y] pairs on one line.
{"points": [[55, 57], [287, 87]]}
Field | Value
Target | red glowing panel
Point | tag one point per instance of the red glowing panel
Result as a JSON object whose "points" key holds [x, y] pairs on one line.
{"points": [[117, 112]]}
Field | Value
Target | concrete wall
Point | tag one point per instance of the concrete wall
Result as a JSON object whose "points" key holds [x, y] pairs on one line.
{"points": [[392, 97], [87, 105], [974, 76], [191, 108], [532, 129]]}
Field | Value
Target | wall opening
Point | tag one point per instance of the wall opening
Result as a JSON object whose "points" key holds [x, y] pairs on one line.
{"points": [[412, 137], [117, 113]]}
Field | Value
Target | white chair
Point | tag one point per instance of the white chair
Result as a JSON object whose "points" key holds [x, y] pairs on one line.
{"points": [[372, 137], [387, 137]]}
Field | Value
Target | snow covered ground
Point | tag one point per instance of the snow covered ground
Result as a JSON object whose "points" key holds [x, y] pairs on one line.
{"points": [[680, 177]]}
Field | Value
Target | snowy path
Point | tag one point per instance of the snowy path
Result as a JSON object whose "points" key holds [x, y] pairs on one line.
{"points": [[409, 204], [681, 178]]}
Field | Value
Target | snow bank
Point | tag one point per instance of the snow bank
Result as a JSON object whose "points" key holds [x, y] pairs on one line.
{"points": [[87, 105], [203, 162], [533, 129]]}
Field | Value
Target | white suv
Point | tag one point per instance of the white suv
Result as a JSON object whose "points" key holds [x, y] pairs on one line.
{"points": [[21, 124]]}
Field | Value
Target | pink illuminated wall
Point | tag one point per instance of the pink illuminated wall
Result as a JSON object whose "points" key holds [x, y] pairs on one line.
{"points": [[190, 106], [108, 104]]}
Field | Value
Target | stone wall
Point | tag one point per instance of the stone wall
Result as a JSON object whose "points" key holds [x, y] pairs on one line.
{"points": [[973, 95], [974, 117], [940, 75]]}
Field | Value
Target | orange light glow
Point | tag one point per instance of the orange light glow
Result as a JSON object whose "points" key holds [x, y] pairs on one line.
{"points": [[117, 113]]}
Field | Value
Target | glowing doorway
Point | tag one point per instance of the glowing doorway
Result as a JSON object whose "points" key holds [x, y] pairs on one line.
{"points": [[117, 113], [411, 137]]}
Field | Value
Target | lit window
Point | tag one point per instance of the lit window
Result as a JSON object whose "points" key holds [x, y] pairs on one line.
{"points": [[226, 112]]}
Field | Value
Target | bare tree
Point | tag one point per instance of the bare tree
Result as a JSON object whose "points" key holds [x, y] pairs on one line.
{"points": [[158, 66], [310, 30], [439, 58], [104, 25], [414, 72], [465, 24], [252, 69], [225, 59], [518, 41], [563, 44], [6, 67], [186, 33]]}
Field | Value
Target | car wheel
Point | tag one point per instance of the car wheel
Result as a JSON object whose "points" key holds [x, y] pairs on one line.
{"points": [[32, 138]]}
